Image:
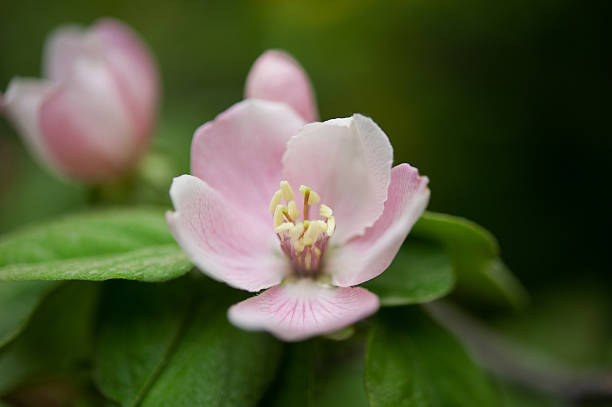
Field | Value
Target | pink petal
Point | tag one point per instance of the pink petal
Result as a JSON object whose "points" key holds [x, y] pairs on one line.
{"points": [[134, 68], [239, 153], [22, 105], [122, 52], [86, 126], [303, 309], [365, 257], [221, 240], [62, 48], [348, 163], [276, 76]]}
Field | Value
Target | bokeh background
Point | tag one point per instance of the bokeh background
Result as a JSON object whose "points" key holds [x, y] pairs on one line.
{"points": [[504, 105]]}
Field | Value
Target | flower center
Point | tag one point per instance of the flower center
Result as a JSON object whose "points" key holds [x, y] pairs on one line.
{"points": [[303, 241]]}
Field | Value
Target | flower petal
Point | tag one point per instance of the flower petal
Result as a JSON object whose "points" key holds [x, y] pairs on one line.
{"points": [[22, 104], [348, 163], [122, 52], [303, 309], [62, 48], [222, 241], [86, 125], [276, 76], [239, 153], [365, 257], [133, 66]]}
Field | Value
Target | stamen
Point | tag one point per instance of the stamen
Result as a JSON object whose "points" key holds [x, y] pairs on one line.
{"points": [[299, 246], [331, 225], [276, 199], [297, 231], [311, 233], [278, 215], [303, 242], [306, 192], [287, 191], [293, 210], [325, 211], [284, 227], [314, 198]]}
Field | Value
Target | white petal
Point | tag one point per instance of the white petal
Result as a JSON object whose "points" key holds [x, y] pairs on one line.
{"points": [[348, 163]]}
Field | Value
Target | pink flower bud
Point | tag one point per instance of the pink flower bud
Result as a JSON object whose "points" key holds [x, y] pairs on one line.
{"points": [[91, 117], [277, 77]]}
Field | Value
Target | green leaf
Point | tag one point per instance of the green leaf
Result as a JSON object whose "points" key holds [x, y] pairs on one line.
{"points": [[421, 272], [57, 342], [412, 362], [130, 244], [139, 324], [184, 355], [18, 300], [339, 375], [320, 373], [474, 252]]}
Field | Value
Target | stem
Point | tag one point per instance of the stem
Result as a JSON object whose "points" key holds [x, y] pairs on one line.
{"points": [[509, 361]]}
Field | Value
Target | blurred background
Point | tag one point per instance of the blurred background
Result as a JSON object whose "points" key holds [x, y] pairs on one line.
{"points": [[504, 105]]}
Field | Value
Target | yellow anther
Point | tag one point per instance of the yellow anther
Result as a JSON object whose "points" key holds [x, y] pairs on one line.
{"points": [[276, 198], [284, 227], [317, 252], [312, 233], [331, 225], [297, 231], [278, 215], [293, 210], [325, 211], [304, 189], [287, 191], [322, 226], [298, 245], [313, 198]]}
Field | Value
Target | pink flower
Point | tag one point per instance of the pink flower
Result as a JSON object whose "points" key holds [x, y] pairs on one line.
{"points": [[242, 219], [91, 117]]}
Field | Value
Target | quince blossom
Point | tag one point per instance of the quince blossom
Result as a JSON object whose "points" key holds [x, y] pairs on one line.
{"points": [[92, 116], [305, 212]]}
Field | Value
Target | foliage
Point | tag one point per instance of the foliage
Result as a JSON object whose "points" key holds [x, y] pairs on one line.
{"points": [[153, 342]]}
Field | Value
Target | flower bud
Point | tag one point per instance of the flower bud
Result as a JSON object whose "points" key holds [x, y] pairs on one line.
{"points": [[92, 115], [277, 77]]}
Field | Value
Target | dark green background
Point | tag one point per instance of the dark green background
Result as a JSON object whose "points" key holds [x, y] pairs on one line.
{"points": [[504, 105]]}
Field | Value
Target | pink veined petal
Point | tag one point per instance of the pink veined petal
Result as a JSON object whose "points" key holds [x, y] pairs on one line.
{"points": [[86, 126], [222, 241], [348, 163], [22, 105], [276, 76], [303, 309], [239, 153], [134, 68], [365, 257]]}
